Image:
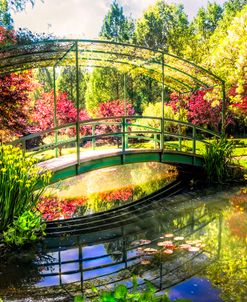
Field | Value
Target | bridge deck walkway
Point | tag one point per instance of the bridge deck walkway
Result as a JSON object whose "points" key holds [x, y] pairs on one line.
{"points": [[65, 161]]}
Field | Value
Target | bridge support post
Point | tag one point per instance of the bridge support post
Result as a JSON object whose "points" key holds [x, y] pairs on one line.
{"points": [[55, 109], [163, 106], [223, 108], [77, 109]]}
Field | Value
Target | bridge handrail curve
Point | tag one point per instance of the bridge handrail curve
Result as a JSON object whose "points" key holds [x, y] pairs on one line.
{"points": [[125, 123]]}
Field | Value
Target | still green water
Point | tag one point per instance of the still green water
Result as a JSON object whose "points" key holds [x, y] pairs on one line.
{"points": [[194, 243], [103, 190]]}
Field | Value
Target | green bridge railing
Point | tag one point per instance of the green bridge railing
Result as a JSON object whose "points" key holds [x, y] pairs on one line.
{"points": [[123, 132]]}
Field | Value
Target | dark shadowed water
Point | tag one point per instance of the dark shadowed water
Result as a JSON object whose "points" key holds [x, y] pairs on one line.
{"points": [[193, 244]]}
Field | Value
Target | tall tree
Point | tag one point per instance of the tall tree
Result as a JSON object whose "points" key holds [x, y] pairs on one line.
{"points": [[163, 26], [116, 26], [67, 83], [14, 103], [202, 28], [206, 21], [104, 84], [5, 10]]}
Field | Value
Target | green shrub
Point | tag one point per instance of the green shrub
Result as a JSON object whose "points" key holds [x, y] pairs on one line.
{"points": [[156, 111], [218, 157], [28, 227], [21, 185], [122, 294]]}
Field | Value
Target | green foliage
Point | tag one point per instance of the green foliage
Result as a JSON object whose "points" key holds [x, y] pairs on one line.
{"points": [[66, 83], [6, 6], [104, 85], [19, 182], [122, 294], [207, 20], [27, 227], [162, 26], [218, 157], [116, 26], [156, 111], [227, 54]]}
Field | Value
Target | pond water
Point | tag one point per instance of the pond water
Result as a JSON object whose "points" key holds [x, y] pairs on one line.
{"points": [[103, 190], [193, 244]]}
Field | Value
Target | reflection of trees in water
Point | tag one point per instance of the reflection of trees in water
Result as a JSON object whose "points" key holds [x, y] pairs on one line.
{"points": [[229, 273], [20, 269]]}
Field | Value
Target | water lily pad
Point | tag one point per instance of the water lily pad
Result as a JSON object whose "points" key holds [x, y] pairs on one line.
{"points": [[145, 262], [150, 251], [168, 252], [194, 249], [184, 246], [169, 235], [179, 238]]}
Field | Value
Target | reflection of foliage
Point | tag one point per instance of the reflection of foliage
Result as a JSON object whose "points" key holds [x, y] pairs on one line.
{"points": [[53, 208], [239, 201], [106, 200], [229, 272], [19, 270], [237, 223]]}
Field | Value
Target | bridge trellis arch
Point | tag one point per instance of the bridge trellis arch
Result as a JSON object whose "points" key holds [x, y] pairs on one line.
{"points": [[175, 73]]}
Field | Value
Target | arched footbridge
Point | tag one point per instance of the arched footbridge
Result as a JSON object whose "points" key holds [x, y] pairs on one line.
{"points": [[76, 148]]}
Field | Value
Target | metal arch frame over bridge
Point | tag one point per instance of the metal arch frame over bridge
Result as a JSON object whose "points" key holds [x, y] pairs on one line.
{"points": [[172, 72]]}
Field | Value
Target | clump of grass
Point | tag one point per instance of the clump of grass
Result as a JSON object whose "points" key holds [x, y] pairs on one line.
{"points": [[218, 159], [21, 185]]}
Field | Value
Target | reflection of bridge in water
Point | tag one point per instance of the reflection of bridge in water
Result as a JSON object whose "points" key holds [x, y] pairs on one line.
{"points": [[108, 257]]}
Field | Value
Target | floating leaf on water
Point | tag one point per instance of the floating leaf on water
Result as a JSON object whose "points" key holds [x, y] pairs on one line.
{"points": [[150, 251], [165, 243], [116, 253], [194, 249], [189, 242], [168, 252], [168, 235], [136, 242], [144, 241], [179, 238], [197, 241], [145, 262], [184, 246]]}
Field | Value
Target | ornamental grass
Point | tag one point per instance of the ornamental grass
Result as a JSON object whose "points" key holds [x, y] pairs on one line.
{"points": [[21, 185]]}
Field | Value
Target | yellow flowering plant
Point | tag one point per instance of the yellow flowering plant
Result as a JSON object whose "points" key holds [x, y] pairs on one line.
{"points": [[21, 185]]}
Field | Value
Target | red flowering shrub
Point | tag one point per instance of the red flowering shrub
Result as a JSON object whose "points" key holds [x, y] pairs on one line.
{"points": [[201, 112], [241, 102], [43, 113], [14, 99], [112, 109], [7, 37]]}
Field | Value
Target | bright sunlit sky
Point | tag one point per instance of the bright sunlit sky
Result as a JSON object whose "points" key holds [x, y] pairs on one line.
{"points": [[83, 18]]}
